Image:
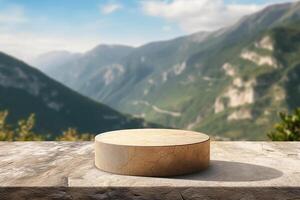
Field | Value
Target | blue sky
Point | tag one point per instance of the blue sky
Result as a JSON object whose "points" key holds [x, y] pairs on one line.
{"points": [[32, 27]]}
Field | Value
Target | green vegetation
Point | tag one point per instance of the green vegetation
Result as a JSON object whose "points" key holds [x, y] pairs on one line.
{"points": [[186, 76], [71, 134], [24, 131], [288, 129]]}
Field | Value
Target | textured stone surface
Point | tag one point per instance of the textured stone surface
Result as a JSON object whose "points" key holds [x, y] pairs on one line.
{"points": [[152, 152], [65, 170]]}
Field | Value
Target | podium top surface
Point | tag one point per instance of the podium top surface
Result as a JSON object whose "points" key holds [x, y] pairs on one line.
{"points": [[151, 137]]}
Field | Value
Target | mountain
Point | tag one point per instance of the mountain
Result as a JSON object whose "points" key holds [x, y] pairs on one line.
{"points": [[45, 62], [25, 90], [96, 67], [229, 83]]}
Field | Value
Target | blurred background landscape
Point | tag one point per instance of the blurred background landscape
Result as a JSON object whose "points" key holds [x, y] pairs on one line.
{"points": [[73, 69]]}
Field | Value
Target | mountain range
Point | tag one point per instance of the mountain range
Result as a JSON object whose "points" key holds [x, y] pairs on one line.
{"points": [[25, 90], [229, 83]]}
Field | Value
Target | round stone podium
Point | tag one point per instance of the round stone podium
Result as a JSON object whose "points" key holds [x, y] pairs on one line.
{"points": [[152, 152]]}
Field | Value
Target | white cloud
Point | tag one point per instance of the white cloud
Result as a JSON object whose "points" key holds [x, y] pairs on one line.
{"points": [[110, 8], [199, 15], [13, 15], [28, 45], [19, 40], [166, 28]]}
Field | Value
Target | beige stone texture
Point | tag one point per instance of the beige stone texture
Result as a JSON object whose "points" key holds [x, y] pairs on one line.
{"points": [[66, 170], [152, 152]]}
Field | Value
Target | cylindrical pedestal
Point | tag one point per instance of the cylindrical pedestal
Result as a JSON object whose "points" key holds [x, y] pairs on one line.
{"points": [[152, 152]]}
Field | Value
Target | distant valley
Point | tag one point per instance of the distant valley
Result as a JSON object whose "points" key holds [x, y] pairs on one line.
{"points": [[25, 90]]}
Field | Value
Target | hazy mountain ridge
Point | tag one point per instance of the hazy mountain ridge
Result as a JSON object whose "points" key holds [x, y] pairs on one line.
{"points": [[25, 90], [55, 58], [229, 83]]}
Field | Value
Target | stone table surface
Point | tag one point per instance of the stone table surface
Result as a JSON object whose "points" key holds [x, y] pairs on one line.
{"points": [[71, 164]]}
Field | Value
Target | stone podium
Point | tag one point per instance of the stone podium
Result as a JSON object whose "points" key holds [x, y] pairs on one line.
{"points": [[152, 152]]}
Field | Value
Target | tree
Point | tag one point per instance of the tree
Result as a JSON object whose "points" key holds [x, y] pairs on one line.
{"points": [[288, 129]]}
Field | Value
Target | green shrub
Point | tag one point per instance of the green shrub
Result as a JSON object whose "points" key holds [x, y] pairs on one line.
{"points": [[23, 131], [288, 129], [6, 131], [71, 134]]}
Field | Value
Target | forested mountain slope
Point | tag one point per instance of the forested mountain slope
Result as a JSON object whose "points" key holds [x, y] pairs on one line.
{"points": [[25, 90]]}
